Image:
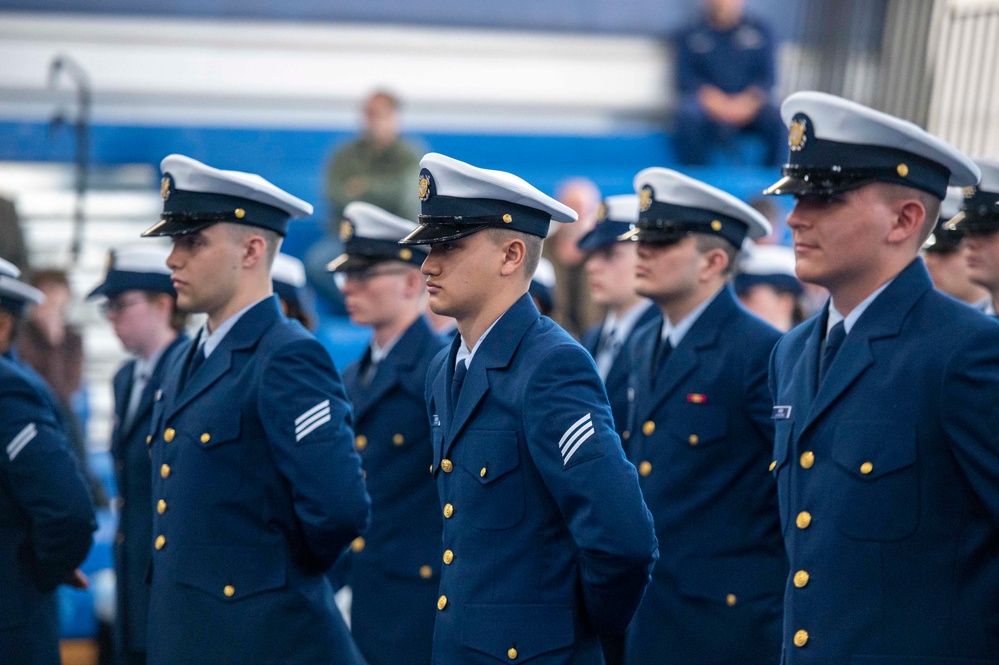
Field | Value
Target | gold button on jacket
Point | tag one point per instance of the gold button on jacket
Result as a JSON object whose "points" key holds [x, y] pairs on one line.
{"points": [[165, 471], [693, 439], [648, 428], [447, 466], [773, 465], [357, 545], [206, 437], [168, 434], [229, 591], [512, 654], [161, 506], [426, 572], [398, 439], [360, 442], [866, 468], [804, 519], [645, 468], [731, 600], [442, 602], [801, 638], [448, 510], [160, 542], [448, 556], [807, 459], [801, 578]]}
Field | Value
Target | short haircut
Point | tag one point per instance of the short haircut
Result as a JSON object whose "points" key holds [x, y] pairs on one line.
{"points": [[706, 242], [239, 232], [532, 243], [894, 192], [385, 95]]}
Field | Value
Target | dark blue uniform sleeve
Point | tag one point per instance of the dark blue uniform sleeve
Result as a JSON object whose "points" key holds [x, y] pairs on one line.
{"points": [[971, 416], [572, 440], [41, 475], [308, 424]]}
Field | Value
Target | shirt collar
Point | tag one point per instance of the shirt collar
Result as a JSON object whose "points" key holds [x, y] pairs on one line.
{"points": [[378, 353], [465, 354], [144, 367], [677, 332], [211, 341], [848, 321]]}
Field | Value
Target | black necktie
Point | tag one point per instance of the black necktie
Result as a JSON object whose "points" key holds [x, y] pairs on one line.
{"points": [[664, 350], [368, 375], [834, 340], [460, 370], [196, 362]]}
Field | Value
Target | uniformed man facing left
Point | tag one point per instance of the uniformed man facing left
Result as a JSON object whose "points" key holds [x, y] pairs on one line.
{"points": [[394, 569], [979, 223], [46, 517], [141, 306], [547, 541], [256, 486]]}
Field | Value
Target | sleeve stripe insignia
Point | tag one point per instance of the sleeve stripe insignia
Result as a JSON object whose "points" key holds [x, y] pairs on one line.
{"points": [[580, 431], [311, 419], [312, 411], [21, 440]]}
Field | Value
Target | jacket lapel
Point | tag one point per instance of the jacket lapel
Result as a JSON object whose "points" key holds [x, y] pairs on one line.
{"points": [[152, 385], [883, 318], [122, 390], [684, 359], [244, 335], [496, 351], [399, 360]]}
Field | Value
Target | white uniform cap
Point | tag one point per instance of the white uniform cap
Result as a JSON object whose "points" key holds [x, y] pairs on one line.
{"points": [[371, 235], [459, 199], [15, 294], [136, 268], [288, 270], [196, 195], [672, 204]]}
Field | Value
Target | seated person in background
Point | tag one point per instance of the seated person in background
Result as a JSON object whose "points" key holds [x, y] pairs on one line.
{"points": [[610, 267], [376, 167], [767, 286], [725, 71], [297, 299], [542, 287], [945, 260]]}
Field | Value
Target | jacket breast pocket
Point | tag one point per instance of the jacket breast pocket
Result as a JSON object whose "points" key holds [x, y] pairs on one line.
{"points": [[220, 428], [876, 491], [696, 426], [231, 573], [504, 633], [491, 481]]}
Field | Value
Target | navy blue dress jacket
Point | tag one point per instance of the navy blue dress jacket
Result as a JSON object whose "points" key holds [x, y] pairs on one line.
{"points": [[700, 437], [46, 519], [888, 477], [547, 542], [257, 492]]}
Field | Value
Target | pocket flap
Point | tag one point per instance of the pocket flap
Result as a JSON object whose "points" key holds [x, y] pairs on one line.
{"points": [[231, 573], [870, 449], [220, 428], [730, 579], [489, 455], [698, 424], [496, 630]]}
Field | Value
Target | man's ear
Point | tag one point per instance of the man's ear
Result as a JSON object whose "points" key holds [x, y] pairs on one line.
{"points": [[715, 263], [514, 253], [910, 214], [254, 250]]}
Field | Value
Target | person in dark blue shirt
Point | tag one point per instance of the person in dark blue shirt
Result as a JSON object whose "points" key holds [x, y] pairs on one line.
{"points": [[394, 569], [725, 70], [141, 306]]}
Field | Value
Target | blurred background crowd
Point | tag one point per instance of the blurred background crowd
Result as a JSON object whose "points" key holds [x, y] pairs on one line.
{"points": [[337, 102]]}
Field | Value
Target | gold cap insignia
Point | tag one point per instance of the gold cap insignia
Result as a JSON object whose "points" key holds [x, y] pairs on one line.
{"points": [[405, 254], [507, 218], [240, 213], [424, 190], [716, 225], [601, 213], [165, 188], [645, 198], [346, 230], [902, 170], [796, 136]]}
